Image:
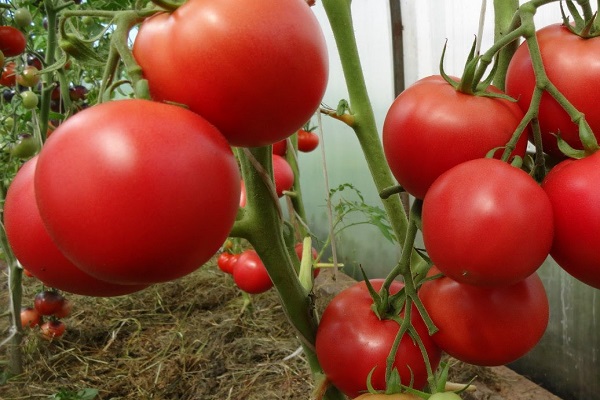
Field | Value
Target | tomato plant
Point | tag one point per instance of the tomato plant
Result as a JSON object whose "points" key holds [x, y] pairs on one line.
{"points": [[486, 325], [432, 127], [470, 221], [352, 341], [52, 329], [250, 274], [35, 249], [12, 41], [572, 187], [283, 175], [48, 302], [163, 198], [570, 61], [245, 52]]}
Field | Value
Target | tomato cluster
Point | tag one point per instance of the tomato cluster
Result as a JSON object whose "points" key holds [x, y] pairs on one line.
{"points": [[51, 304]]}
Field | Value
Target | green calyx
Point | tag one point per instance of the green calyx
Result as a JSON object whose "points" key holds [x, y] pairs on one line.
{"points": [[584, 26]]}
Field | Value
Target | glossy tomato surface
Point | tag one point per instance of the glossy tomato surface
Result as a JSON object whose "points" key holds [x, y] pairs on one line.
{"points": [[36, 251], [574, 192], [283, 175], [307, 141], [486, 326], [431, 127], [352, 341], [137, 192], [571, 64], [250, 274], [12, 41], [257, 70], [487, 223]]}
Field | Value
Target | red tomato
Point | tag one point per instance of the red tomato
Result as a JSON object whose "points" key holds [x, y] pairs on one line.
{"points": [[283, 175], [30, 317], [9, 75], [226, 262], [250, 274], [157, 190], [35, 249], [65, 310], [52, 329], [487, 223], [260, 64], [431, 127], [571, 64], [572, 187], [12, 41], [486, 326], [352, 340], [280, 148], [380, 396], [48, 302], [307, 141]]}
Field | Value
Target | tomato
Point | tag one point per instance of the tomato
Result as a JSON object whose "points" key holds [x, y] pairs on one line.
{"points": [[486, 222], [30, 99], [36, 251], [444, 396], [12, 41], [572, 187], [29, 77], [23, 17], [351, 341], [250, 274], [571, 64], [226, 262], [431, 127], [307, 141], [9, 75], [380, 396], [52, 329], [26, 147], [249, 67], [157, 186], [65, 310], [280, 148], [30, 317], [486, 325], [283, 175], [48, 302]]}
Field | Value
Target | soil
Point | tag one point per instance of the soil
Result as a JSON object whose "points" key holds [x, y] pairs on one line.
{"points": [[191, 339]]}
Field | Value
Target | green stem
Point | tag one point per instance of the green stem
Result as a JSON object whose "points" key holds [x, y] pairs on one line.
{"points": [[504, 12], [339, 15], [47, 82]]}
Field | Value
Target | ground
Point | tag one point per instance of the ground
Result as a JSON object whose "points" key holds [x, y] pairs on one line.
{"points": [[190, 339]]}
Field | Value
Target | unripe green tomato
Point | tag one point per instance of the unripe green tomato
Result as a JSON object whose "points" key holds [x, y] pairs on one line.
{"points": [[30, 99], [22, 18], [445, 396], [9, 123], [26, 147], [29, 77]]}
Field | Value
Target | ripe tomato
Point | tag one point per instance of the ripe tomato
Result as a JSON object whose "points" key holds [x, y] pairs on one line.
{"points": [[283, 175], [250, 274], [280, 148], [36, 251], [226, 262], [380, 396], [157, 187], [352, 340], [307, 141], [30, 317], [12, 41], [65, 310], [48, 302], [52, 329], [571, 64], [9, 75], [572, 187], [431, 127], [486, 222], [258, 64], [486, 325]]}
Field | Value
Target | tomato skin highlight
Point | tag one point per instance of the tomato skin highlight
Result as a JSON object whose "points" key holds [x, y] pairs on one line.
{"points": [[250, 274], [352, 340], [486, 326], [487, 223], [35, 249], [258, 74], [431, 127], [571, 64], [572, 187], [157, 186]]}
